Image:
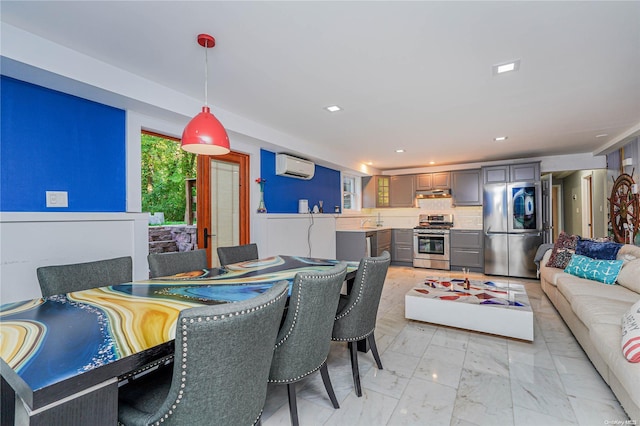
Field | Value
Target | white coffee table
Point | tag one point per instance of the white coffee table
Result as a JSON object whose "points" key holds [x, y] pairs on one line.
{"points": [[488, 306]]}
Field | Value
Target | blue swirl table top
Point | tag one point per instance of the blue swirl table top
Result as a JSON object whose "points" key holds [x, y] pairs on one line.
{"points": [[49, 341]]}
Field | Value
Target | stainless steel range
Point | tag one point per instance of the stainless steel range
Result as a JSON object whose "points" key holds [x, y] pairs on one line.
{"points": [[431, 241]]}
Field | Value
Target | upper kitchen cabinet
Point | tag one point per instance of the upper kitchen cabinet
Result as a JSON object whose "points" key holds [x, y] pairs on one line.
{"points": [[525, 172], [512, 173], [466, 188], [402, 191], [496, 174], [376, 191], [427, 181]]}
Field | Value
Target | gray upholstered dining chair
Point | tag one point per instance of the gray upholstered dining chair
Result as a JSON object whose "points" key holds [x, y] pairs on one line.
{"points": [[355, 318], [222, 360], [60, 279], [163, 264], [235, 254], [304, 340]]}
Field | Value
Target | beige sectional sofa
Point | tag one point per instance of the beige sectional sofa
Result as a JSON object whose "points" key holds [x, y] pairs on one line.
{"points": [[593, 311]]}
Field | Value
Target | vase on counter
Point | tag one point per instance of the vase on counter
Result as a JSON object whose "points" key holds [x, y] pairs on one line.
{"points": [[261, 207]]}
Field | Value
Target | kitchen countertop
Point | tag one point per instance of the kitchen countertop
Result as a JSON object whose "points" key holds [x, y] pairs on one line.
{"points": [[372, 229]]}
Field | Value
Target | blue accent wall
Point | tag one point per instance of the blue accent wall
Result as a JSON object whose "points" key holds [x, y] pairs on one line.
{"points": [[281, 193], [52, 141]]}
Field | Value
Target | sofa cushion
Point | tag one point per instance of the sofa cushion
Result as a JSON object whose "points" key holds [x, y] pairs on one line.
{"points": [[628, 252], [571, 286], [605, 271], [629, 275], [598, 250], [607, 338], [563, 248], [592, 310], [631, 333], [548, 273]]}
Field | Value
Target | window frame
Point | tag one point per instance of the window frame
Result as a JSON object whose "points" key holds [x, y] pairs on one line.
{"points": [[355, 194]]}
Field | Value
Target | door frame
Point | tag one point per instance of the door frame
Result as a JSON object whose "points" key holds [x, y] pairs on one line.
{"points": [[203, 194]]}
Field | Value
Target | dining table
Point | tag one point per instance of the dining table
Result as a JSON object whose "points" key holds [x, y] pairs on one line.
{"points": [[63, 357]]}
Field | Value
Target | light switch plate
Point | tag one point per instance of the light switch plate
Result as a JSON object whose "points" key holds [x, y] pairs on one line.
{"points": [[57, 199]]}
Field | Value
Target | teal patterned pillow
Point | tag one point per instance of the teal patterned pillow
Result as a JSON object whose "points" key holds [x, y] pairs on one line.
{"points": [[605, 271]]}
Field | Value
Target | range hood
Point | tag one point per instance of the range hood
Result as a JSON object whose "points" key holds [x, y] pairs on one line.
{"points": [[434, 193]]}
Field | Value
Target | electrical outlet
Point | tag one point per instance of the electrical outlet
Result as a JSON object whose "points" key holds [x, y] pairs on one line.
{"points": [[57, 199]]}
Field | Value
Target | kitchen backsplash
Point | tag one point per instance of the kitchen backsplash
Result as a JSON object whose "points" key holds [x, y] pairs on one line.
{"points": [[463, 217]]}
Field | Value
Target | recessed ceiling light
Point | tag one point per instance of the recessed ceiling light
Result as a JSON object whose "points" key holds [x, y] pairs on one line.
{"points": [[602, 135], [399, 150], [333, 108], [506, 67], [370, 163], [432, 162], [500, 138]]}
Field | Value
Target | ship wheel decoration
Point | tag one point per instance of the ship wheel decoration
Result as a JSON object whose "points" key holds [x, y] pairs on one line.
{"points": [[624, 208]]}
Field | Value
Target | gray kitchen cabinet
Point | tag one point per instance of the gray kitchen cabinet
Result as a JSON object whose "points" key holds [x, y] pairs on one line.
{"points": [[382, 243], [467, 250], [402, 247], [525, 172], [512, 173], [375, 191], [439, 180], [402, 191], [466, 188], [354, 245], [496, 174]]}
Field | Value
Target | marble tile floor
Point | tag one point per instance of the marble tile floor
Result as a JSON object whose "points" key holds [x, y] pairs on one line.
{"points": [[436, 375]]}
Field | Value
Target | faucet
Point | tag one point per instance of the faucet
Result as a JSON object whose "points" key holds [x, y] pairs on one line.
{"points": [[363, 221]]}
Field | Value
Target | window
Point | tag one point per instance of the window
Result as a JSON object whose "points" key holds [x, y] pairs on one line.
{"points": [[350, 193]]}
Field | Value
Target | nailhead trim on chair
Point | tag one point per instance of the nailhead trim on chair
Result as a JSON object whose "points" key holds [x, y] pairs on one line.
{"points": [[355, 302], [355, 339], [295, 316], [345, 313], [185, 349], [298, 378], [364, 276]]}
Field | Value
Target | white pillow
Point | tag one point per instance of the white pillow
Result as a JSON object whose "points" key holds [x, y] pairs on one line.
{"points": [[629, 275], [631, 333]]}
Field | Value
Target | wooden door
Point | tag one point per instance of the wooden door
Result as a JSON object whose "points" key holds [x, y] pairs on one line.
{"points": [[222, 202]]}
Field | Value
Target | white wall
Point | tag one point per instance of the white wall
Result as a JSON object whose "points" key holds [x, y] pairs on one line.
{"points": [[31, 240], [296, 235]]}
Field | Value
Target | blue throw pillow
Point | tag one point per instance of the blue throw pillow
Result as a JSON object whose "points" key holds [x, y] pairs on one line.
{"points": [[605, 271], [598, 250]]}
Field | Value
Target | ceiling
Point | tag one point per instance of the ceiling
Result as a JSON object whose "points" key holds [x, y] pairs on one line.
{"points": [[410, 75]]}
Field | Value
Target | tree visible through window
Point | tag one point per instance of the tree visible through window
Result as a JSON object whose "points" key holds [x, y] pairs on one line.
{"points": [[165, 167]]}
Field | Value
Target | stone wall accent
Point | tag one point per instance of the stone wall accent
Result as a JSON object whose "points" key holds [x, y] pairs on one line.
{"points": [[171, 238]]}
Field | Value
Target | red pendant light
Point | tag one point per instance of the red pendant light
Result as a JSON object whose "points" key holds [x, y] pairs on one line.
{"points": [[204, 134]]}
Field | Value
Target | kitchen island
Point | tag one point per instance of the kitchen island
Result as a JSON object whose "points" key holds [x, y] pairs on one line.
{"points": [[356, 243]]}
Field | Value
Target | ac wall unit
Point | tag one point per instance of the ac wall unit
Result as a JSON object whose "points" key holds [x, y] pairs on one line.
{"points": [[288, 165]]}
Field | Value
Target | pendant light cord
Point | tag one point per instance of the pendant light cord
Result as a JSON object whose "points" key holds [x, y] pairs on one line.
{"points": [[206, 75]]}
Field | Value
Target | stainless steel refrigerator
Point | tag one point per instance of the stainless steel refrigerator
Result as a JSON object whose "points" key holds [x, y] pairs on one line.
{"points": [[512, 220]]}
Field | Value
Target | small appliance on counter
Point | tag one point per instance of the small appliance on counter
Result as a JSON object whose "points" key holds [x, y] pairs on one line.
{"points": [[303, 206], [431, 241]]}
